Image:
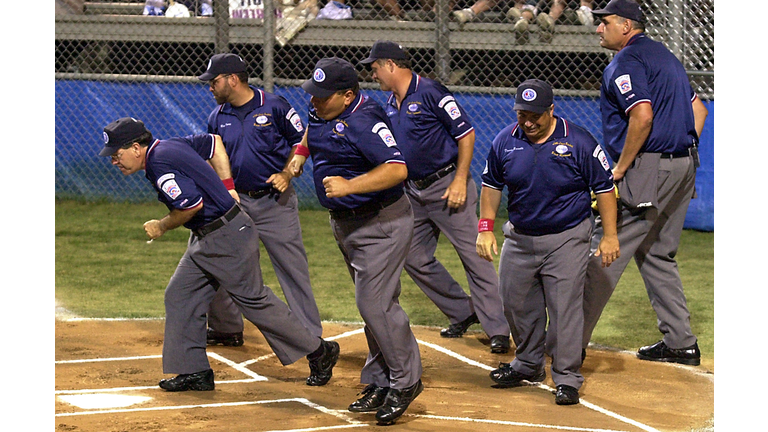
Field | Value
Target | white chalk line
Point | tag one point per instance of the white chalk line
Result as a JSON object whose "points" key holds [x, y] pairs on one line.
{"points": [[256, 377], [542, 386]]}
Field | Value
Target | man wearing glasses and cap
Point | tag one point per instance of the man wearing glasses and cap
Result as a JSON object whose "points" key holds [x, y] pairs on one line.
{"points": [[358, 173], [549, 166], [193, 179], [437, 140], [652, 121], [258, 130]]}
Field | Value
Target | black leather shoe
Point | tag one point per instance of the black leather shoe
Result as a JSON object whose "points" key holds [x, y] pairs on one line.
{"points": [[397, 402], [372, 399], [226, 339], [321, 370], [660, 352], [200, 381], [566, 395], [505, 376], [458, 329], [500, 344]]}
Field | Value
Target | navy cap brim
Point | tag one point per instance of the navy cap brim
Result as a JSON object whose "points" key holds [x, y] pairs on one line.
{"points": [[532, 108], [108, 151], [207, 76], [313, 89]]}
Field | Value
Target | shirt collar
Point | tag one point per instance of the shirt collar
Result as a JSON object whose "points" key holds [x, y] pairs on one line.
{"points": [[256, 101], [561, 130], [412, 88]]}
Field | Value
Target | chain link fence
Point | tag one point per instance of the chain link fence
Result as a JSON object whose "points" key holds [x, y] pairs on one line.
{"points": [[112, 60]]}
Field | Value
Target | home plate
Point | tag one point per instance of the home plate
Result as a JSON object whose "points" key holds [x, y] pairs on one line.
{"points": [[95, 401]]}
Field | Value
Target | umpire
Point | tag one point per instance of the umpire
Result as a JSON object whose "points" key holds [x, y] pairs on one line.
{"points": [[652, 121], [258, 130], [437, 140], [358, 173], [549, 167], [193, 179]]}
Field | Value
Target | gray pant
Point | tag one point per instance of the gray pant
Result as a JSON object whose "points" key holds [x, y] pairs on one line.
{"points": [[374, 250], [543, 277], [432, 217], [650, 235], [225, 260], [277, 221]]}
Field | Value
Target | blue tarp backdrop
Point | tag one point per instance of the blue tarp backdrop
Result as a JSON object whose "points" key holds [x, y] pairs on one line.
{"points": [[83, 108]]}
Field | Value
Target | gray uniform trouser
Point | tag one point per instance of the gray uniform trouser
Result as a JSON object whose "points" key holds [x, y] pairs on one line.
{"points": [[543, 276], [374, 250], [225, 260], [277, 221], [432, 217], [650, 235]]}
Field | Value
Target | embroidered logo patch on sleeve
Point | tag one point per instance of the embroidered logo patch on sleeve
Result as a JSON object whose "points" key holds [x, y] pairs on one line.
{"points": [[384, 133], [624, 83]]}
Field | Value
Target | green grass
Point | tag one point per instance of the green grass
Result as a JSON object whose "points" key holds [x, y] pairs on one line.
{"points": [[105, 268]]}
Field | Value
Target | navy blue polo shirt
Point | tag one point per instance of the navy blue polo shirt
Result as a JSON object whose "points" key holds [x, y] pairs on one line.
{"points": [[548, 184], [427, 126], [645, 71], [178, 170], [258, 137], [352, 144]]}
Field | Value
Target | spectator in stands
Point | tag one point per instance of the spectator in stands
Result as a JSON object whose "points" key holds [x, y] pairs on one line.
{"points": [[154, 8], [176, 10], [396, 11], [206, 8], [523, 13]]}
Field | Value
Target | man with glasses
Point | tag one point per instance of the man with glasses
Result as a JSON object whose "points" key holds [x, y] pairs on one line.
{"points": [[258, 129], [193, 179]]}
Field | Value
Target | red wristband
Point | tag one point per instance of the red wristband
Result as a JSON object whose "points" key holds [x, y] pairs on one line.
{"points": [[229, 183], [485, 225], [301, 150]]}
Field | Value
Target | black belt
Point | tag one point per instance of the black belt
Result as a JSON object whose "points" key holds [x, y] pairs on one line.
{"points": [[437, 175], [257, 193], [218, 223], [680, 154], [364, 211]]}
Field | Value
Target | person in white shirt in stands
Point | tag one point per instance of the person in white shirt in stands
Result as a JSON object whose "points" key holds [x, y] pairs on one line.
{"points": [[176, 10]]}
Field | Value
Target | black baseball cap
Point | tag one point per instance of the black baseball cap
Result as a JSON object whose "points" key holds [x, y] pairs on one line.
{"points": [[384, 49], [629, 9], [533, 95], [331, 74], [226, 63], [120, 133]]}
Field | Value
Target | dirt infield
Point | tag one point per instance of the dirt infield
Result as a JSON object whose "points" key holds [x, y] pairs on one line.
{"points": [[118, 363]]}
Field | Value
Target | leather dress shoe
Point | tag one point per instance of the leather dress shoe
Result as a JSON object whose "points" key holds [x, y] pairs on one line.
{"points": [[458, 329], [660, 352], [566, 395], [397, 402], [226, 339], [200, 381], [505, 376], [321, 369], [372, 399], [500, 344]]}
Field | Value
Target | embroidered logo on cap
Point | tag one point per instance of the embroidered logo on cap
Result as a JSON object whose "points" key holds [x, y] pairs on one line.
{"points": [[529, 95], [319, 75]]}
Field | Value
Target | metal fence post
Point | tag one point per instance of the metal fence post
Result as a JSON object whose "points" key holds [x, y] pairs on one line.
{"points": [[221, 15]]}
